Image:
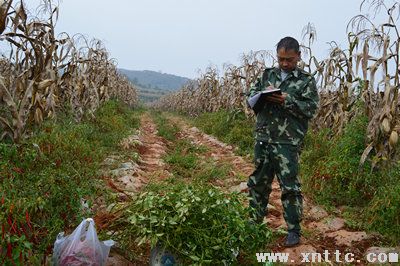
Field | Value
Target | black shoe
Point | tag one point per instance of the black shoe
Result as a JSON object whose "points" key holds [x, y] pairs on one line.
{"points": [[292, 239]]}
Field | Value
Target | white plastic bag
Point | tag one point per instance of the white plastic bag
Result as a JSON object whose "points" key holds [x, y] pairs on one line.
{"points": [[82, 247]]}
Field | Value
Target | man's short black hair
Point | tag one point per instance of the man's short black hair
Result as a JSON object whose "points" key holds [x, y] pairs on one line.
{"points": [[288, 43]]}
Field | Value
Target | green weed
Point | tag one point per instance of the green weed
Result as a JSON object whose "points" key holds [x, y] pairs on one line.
{"points": [[229, 127], [199, 223], [331, 175], [44, 179]]}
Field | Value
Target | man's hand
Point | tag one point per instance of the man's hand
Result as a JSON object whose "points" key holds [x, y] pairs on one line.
{"points": [[276, 98]]}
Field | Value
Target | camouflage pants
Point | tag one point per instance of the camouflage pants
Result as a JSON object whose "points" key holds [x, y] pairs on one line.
{"points": [[282, 161]]}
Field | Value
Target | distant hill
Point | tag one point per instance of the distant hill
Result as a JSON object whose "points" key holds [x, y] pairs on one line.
{"points": [[152, 85], [150, 94], [153, 79]]}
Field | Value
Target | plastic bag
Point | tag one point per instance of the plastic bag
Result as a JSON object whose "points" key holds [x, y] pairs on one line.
{"points": [[82, 247]]}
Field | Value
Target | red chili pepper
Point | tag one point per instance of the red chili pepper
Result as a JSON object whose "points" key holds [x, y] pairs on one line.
{"points": [[9, 220], [9, 250], [12, 226], [28, 220]]}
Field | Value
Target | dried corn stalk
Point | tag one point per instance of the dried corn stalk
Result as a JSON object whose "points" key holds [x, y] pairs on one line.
{"points": [[44, 73]]}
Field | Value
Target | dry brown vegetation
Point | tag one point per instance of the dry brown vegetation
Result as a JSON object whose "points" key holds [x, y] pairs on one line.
{"points": [[360, 80], [43, 74]]}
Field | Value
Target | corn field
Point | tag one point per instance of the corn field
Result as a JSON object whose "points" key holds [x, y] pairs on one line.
{"points": [[43, 74], [362, 79]]}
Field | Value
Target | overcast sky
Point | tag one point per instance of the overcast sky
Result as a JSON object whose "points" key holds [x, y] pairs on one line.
{"points": [[182, 36]]}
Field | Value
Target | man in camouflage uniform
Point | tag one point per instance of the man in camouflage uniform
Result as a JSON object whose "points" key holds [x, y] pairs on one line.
{"points": [[282, 122]]}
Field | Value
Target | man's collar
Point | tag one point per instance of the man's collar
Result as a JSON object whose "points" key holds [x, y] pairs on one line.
{"points": [[295, 72]]}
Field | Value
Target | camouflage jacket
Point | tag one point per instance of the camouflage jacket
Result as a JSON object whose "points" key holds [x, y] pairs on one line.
{"points": [[287, 123]]}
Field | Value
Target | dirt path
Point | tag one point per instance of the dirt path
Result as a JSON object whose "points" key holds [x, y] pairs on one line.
{"points": [[151, 150], [131, 175], [320, 231]]}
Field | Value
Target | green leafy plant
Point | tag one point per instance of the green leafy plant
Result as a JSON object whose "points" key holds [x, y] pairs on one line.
{"points": [[199, 223]]}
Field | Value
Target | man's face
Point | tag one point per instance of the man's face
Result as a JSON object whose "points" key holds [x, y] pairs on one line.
{"points": [[288, 59]]}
